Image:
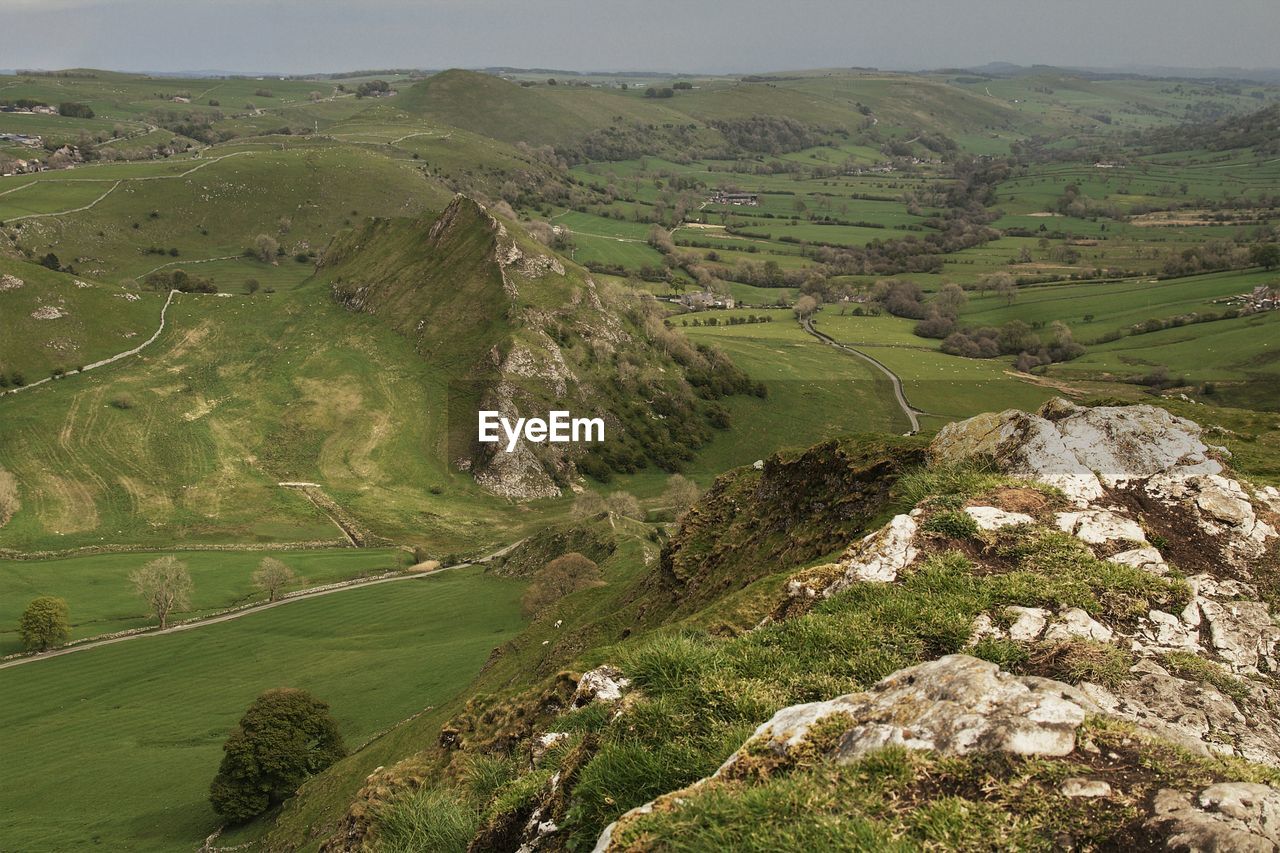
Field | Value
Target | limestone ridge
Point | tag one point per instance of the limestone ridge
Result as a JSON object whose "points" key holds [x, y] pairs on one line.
{"points": [[1132, 486], [509, 325]]}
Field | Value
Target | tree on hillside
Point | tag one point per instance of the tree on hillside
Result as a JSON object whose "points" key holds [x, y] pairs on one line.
{"points": [[285, 736], [272, 576], [805, 306], [1005, 286], [165, 585], [265, 248], [588, 505], [680, 493], [45, 624], [951, 299], [624, 505], [563, 575]]}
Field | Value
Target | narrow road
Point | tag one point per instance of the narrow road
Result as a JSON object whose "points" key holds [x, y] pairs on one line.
{"points": [[112, 359], [907, 409], [236, 614]]}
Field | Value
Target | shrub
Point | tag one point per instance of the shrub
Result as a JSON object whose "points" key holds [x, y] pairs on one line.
{"points": [[563, 575], [285, 736]]}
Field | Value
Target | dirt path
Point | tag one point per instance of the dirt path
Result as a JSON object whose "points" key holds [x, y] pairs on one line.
{"points": [[237, 614], [907, 409], [164, 310]]}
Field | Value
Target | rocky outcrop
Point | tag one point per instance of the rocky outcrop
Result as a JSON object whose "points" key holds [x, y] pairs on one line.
{"points": [[1231, 816], [955, 705], [1127, 470], [1082, 451]]}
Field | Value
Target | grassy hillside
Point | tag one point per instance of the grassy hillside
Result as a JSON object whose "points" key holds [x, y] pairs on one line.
{"points": [[56, 321]]}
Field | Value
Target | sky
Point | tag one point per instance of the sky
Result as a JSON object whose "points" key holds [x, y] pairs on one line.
{"points": [[698, 36]]}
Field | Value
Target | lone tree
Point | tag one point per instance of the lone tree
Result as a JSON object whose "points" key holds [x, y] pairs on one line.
{"points": [[563, 575], [680, 493], [624, 505], [265, 248], [165, 585], [272, 576], [45, 624], [284, 737], [805, 306]]}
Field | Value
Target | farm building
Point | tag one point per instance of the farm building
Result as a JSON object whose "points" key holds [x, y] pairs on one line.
{"points": [[722, 197], [704, 301]]}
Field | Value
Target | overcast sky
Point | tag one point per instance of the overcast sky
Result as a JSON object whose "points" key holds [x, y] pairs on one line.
{"points": [[296, 36]]}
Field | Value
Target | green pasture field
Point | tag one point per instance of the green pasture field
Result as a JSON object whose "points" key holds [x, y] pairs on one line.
{"points": [[1115, 305], [115, 746], [102, 600], [946, 387], [814, 392], [1244, 350]]}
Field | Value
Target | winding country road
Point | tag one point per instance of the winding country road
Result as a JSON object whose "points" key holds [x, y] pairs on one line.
{"points": [[246, 611], [910, 411]]}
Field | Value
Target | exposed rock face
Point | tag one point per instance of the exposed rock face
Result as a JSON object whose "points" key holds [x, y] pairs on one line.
{"points": [[602, 684], [1080, 450], [10, 282], [881, 555], [1232, 816], [954, 705], [991, 518]]}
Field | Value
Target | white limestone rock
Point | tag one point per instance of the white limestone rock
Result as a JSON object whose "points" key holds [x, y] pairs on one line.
{"points": [[881, 555], [602, 684], [1100, 526], [1146, 558], [992, 518], [1075, 623], [1242, 817]]}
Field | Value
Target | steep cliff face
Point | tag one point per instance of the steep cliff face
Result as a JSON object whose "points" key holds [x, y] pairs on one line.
{"points": [[513, 328]]}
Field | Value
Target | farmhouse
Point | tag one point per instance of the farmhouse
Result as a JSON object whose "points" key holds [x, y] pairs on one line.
{"points": [[738, 198], [704, 301]]}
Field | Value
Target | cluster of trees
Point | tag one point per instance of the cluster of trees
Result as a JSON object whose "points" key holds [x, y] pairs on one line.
{"points": [[1015, 337], [197, 125], [565, 574], [765, 134], [179, 280], [373, 88], [285, 736], [75, 109], [665, 92], [1206, 257]]}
